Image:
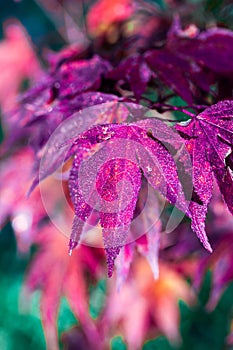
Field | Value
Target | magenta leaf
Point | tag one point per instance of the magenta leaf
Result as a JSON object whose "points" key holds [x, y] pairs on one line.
{"points": [[109, 178], [217, 123], [119, 180], [202, 182], [78, 76], [209, 141], [113, 191], [105, 178]]}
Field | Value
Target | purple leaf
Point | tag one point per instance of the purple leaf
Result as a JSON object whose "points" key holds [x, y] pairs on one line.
{"points": [[109, 179], [174, 159], [212, 49], [215, 49], [171, 70], [114, 239], [135, 71], [203, 185], [108, 185], [58, 145], [118, 185], [209, 141], [78, 76], [43, 117], [218, 126], [58, 95]]}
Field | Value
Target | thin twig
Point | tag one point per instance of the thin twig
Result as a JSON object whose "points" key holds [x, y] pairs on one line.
{"points": [[173, 108]]}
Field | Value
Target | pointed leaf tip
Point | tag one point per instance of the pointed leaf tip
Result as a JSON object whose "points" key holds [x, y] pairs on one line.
{"points": [[204, 240], [34, 184], [111, 254], [72, 245], [208, 246]]}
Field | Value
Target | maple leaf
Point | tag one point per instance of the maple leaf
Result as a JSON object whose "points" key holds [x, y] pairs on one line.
{"points": [[171, 69], [79, 76], [135, 71], [69, 86], [209, 141], [187, 63], [211, 48], [53, 153], [57, 274], [108, 161], [43, 121], [110, 180], [154, 300], [56, 151]]}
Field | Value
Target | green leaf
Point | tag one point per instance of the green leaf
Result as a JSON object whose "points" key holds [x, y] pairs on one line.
{"points": [[66, 318], [19, 327], [204, 293], [160, 343], [177, 101], [97, 298], [213, 5], [184, 310], [202, 329], [118, 344], [158, 3]]}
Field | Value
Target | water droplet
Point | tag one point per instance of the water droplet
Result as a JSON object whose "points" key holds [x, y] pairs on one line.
{"points": [[104, 138], [105, 129]]}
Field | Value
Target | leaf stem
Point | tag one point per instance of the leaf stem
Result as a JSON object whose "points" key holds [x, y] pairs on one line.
{"points": [[174, 108]]}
